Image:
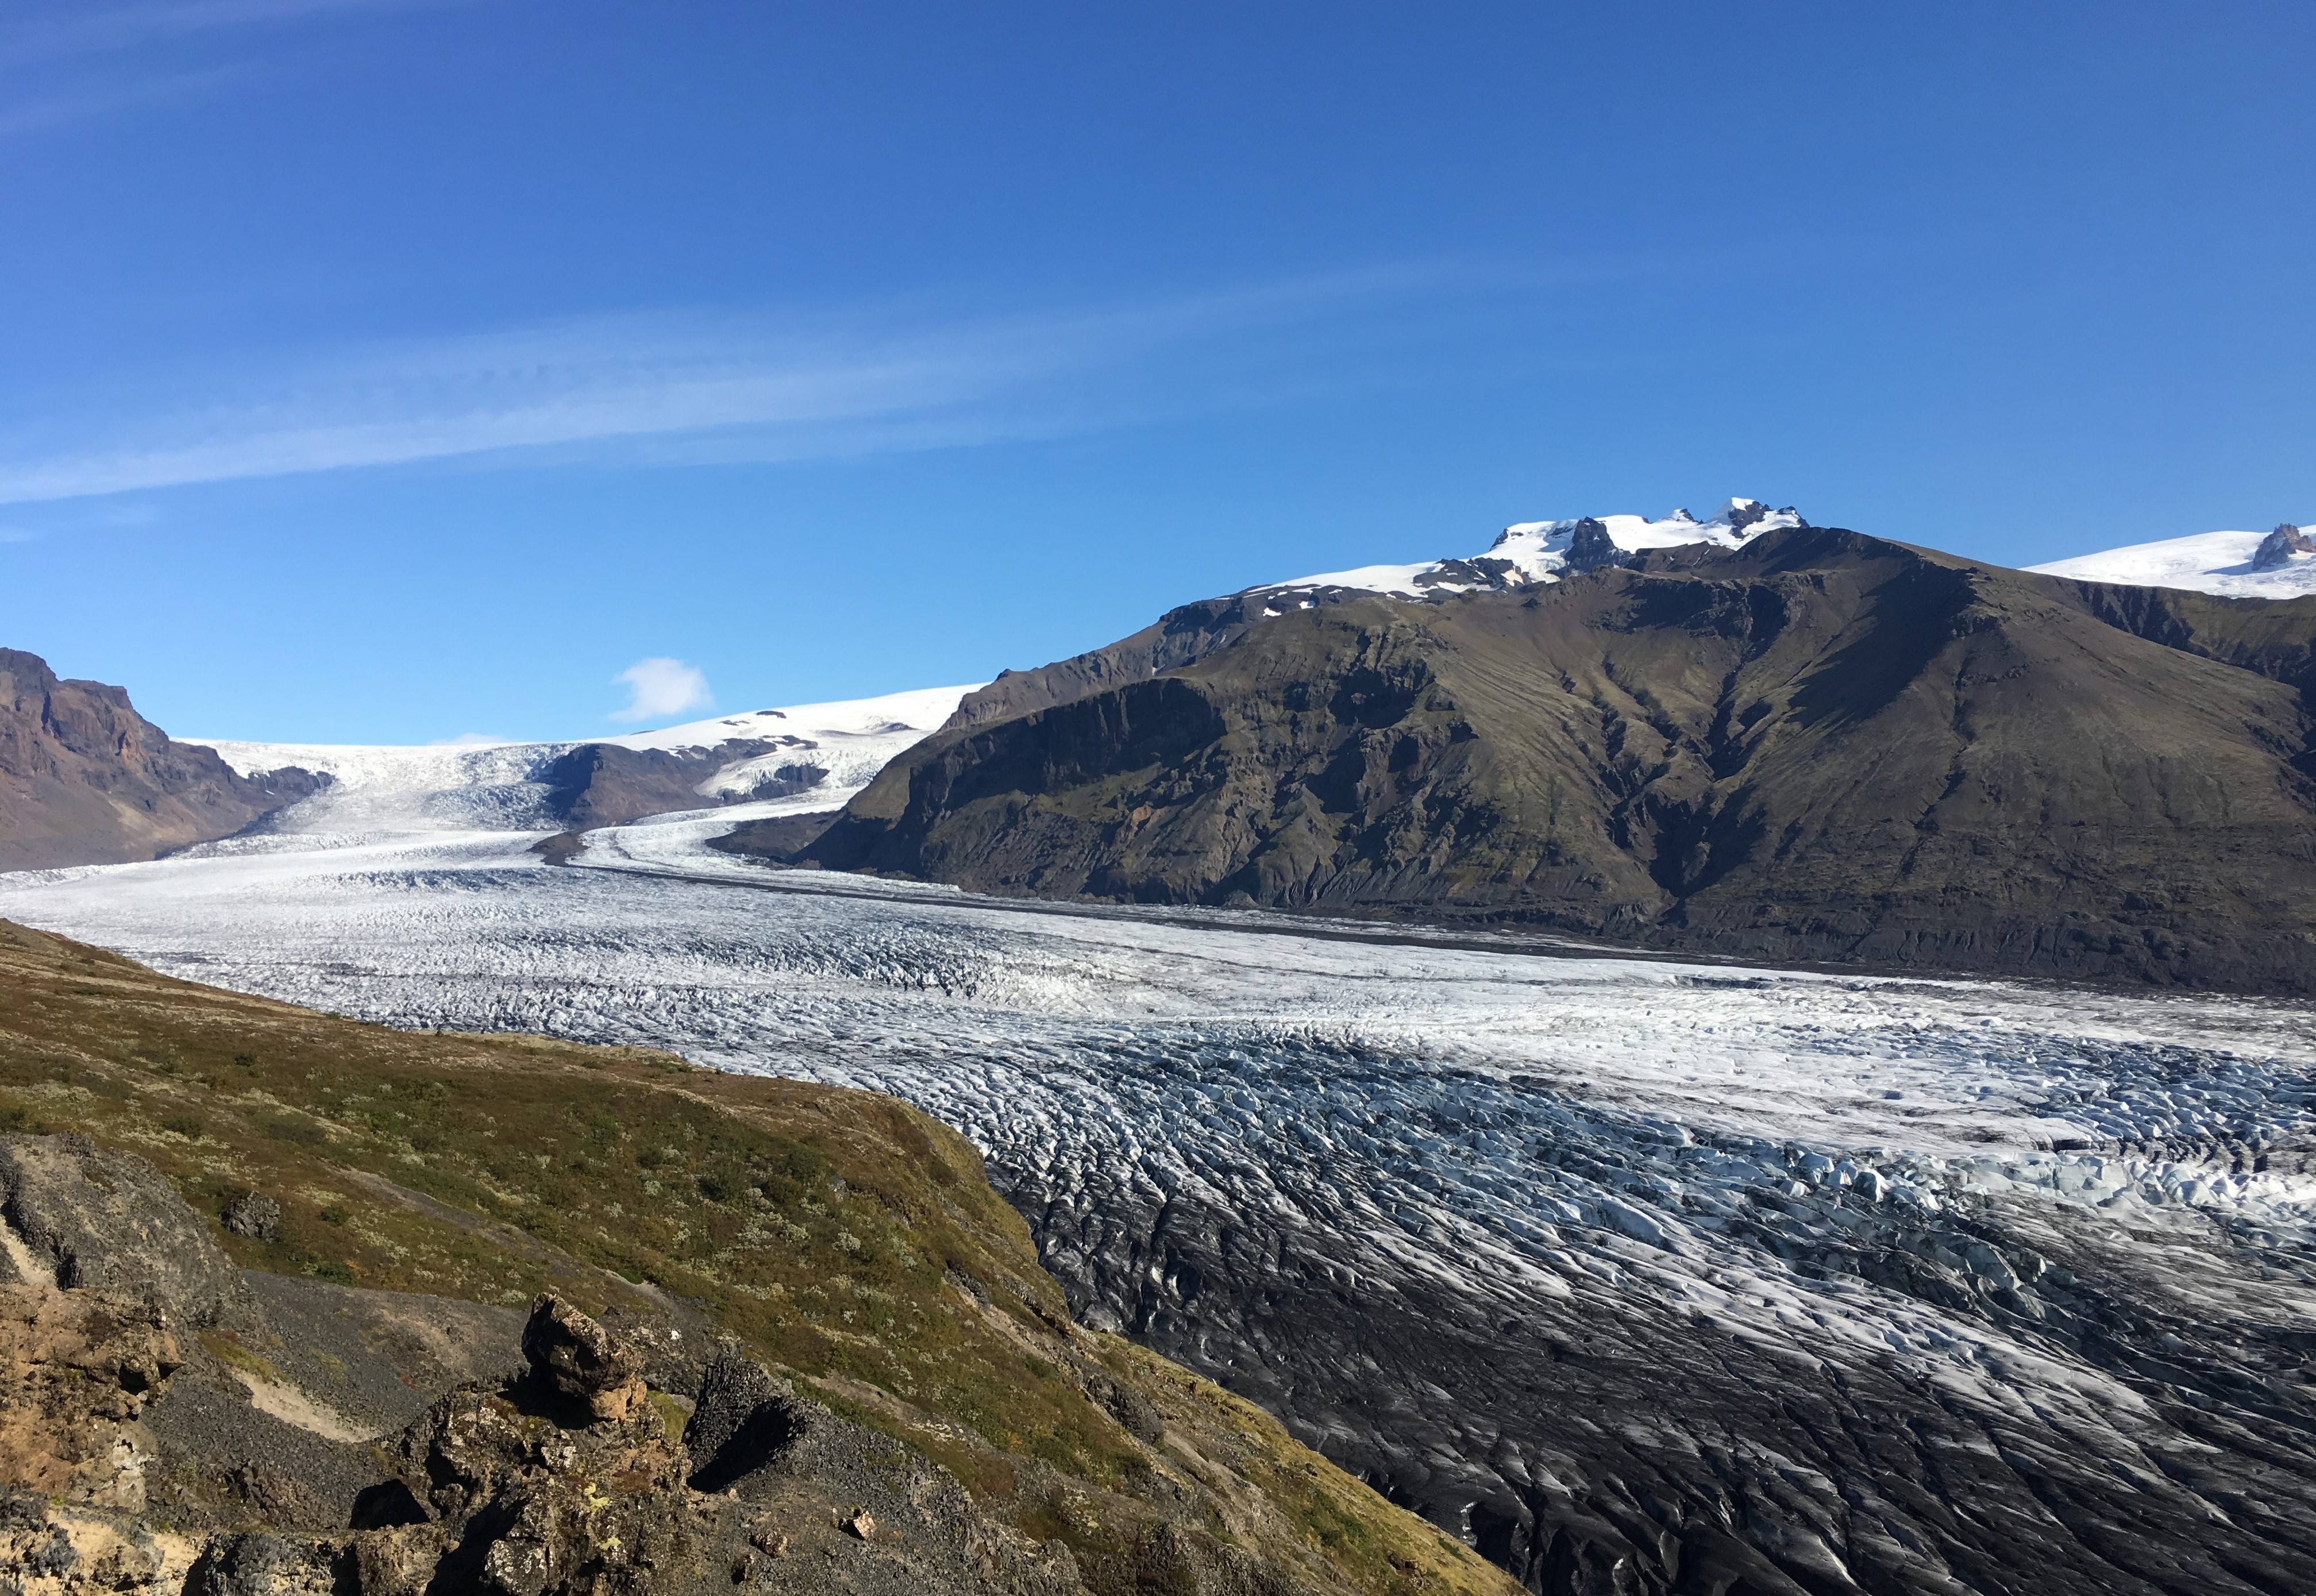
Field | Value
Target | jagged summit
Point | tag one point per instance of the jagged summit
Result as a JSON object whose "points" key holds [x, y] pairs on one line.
{"points": [[2281, 547], [1531, 552]]}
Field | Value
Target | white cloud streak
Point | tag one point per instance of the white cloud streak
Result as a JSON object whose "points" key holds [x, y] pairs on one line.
{"points": [[660, 687], [96, 101], [132, 57], [89, 31], [719, 386]]}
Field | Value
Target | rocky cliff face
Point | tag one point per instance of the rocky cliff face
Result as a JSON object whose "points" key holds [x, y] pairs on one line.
{"points": [[85, 779], [1820, 747]]}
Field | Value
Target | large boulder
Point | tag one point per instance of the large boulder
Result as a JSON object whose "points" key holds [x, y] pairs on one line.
{"points": [[253, 1214], [582, 1362], [76, 1370]]}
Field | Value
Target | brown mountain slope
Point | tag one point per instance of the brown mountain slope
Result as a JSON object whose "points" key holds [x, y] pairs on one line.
{"points": [[1822, 746], [85, 779], [1174, 639]]}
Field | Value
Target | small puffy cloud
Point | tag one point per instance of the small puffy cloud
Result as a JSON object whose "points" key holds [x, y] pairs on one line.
{"points": [[469, 740], [658, 688]]}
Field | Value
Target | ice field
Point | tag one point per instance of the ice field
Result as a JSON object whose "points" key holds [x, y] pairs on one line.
{"points": [[1880, 1276]]}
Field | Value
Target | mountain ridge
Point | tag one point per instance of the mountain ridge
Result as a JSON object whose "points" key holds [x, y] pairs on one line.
{"points": [[85, 779], [1771, 750], [825, 751]]}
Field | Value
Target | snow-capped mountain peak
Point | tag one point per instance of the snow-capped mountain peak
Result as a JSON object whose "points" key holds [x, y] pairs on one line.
{"points": [[1531, 552], [2280, 563]]}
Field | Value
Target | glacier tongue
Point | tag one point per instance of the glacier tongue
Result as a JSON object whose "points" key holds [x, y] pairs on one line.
{"points": [[1692, 1272]]}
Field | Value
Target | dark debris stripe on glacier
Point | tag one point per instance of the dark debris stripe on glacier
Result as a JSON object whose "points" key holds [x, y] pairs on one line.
{"points": [[1643, 1279]]}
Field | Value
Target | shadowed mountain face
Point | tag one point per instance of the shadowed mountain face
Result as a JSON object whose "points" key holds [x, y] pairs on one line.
{"points": [[1822, 746], [85, 779], [605, 784]]}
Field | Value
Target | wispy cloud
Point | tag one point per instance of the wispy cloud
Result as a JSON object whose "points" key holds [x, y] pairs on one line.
{"points": [[658, 688], [94, 101], [87, 30], [721, 386], [77, 521], [76, 64]]}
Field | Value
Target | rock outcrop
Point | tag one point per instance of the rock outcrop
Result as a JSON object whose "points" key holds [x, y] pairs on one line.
{"points": [[2279, 546], [605, 784], [85, 779], [97, 1220], [514, 1489], [577, 1361], [1590, 549], [125, 1464]]}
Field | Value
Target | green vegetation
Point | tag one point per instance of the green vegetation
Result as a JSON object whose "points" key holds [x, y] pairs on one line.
{"points": [[230, 1352]]}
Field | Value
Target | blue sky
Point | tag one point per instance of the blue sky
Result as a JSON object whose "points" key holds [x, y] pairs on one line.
{"points": [[391, 370]]}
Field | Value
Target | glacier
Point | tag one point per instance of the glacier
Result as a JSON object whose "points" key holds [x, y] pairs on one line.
{"points": [[1639, 1274]]}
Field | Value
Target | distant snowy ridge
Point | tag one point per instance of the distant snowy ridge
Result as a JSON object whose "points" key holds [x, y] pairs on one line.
{"points": [[2274, 565], [848, 740], [822, 753], [1544, 552]]}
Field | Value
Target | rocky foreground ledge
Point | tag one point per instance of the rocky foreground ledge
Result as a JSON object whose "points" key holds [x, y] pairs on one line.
{"points": [[149, 1446], [601, 1460], [815, 1353]]}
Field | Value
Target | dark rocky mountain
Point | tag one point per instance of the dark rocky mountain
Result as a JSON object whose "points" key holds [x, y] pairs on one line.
{"points": [[1818, 746], [780, 839], [85, 779], [605, 784]]}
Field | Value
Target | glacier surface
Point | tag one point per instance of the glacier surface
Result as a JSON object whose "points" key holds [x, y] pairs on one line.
{"points": [[1641, 1275]]}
